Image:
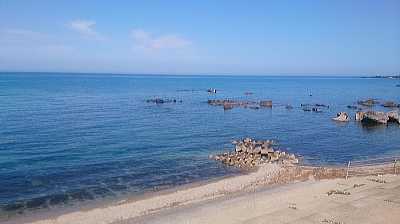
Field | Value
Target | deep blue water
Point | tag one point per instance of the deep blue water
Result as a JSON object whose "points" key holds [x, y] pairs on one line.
{"points": [[82, 138]]}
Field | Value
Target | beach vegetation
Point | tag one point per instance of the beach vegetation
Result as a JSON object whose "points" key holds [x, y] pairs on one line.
{"points": [[330, 221], [345, 192], [377, 181], [358, 185]]}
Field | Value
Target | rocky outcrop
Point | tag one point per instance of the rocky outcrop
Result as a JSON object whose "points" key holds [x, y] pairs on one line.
{"points": [[266, 103], [352, 106], [389, 104], [288, 107], [321, 105], [393, 116], [162, 101], [249, 153], [370, 116], [228, 102], [368, 103], [248, 93], [212, 90], [342, 117]]}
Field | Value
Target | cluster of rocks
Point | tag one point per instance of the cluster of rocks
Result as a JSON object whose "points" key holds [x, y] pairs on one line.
{"points": [[228, 104], [370, 116], [390, 104], [371, 103], [162, 101], [249, 153]]}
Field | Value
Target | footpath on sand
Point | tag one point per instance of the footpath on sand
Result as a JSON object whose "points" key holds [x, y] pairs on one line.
{"points": [[370, 199]]}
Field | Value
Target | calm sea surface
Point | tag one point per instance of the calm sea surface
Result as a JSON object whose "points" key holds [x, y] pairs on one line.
{"points": [[68, 139]]}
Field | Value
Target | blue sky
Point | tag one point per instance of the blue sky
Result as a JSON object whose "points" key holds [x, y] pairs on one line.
{"points": [[252, 37]]}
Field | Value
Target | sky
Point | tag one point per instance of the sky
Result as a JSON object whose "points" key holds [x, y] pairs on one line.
{"points": [[201, 37]]}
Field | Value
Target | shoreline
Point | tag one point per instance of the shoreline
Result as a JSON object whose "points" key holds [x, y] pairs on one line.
{"points": [[267, 175]]}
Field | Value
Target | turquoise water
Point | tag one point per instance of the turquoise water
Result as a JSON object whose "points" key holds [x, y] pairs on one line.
{"points": [[68, 139]]}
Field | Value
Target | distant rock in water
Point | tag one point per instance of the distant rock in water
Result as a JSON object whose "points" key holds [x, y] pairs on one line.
{"points": [[390, 104], [342, 117], [288, 107], [163, 101], [248, 93], [266, 103], [321, 105], [212, 90], [228, 102], [368, 103]]}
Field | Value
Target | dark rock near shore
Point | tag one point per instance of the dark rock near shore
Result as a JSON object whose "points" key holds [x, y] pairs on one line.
{"points": [[255, 108], [212, 90], [342, 117], [248, 93], [162, 101]]}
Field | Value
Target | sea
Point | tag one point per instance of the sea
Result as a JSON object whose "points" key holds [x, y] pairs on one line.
{"points": [[70, 140]]}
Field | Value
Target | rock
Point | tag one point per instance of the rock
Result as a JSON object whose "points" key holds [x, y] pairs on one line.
{"points": [[228, 102], [368, 103], [266, 103], [342, 117], [248, 93], [288, 107], [393, 116], [255, 108], [321, 105], [306, 109], [352, 106], [370, 116], [389, 104], [212, 90], [227, 107], [257, 150]]}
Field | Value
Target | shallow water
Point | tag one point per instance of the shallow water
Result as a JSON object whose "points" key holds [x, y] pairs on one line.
{"points": [[72, 138]]}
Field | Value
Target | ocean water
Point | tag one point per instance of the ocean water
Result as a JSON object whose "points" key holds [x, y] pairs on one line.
{"points": [[73, 139]]}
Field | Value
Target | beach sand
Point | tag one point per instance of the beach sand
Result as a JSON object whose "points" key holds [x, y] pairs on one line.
{"points": [[272, 194]]}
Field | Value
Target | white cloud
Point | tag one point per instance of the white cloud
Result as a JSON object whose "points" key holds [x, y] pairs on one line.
{"points": [[166, 42], [83, 26]]}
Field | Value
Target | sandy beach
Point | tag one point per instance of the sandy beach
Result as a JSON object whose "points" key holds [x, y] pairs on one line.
{"points": [[272, 194]]}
